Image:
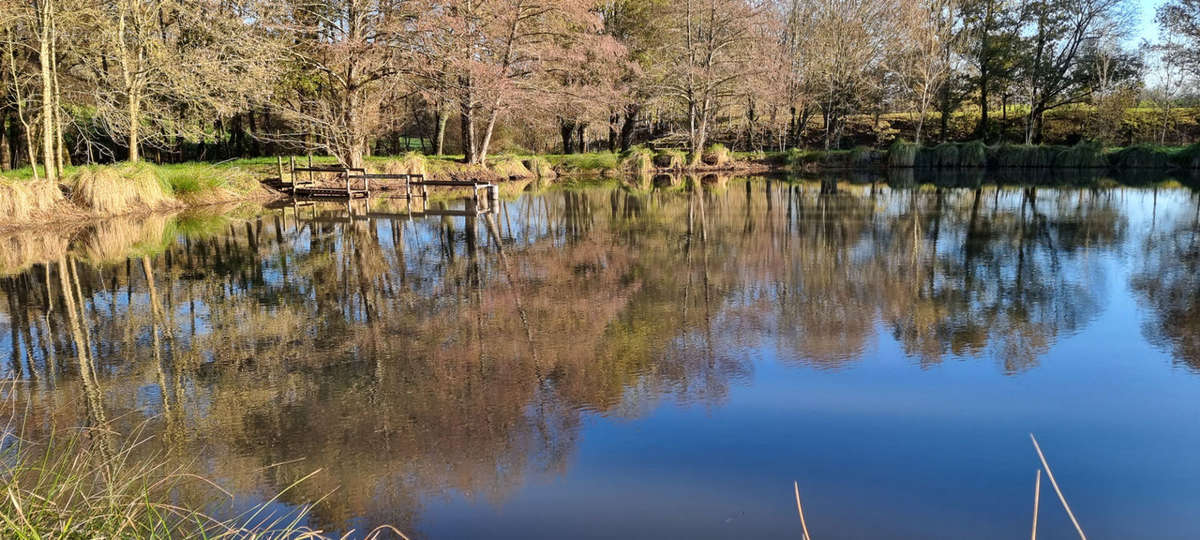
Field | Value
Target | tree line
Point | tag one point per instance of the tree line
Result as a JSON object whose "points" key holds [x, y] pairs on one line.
{"points": [[105, 80]]}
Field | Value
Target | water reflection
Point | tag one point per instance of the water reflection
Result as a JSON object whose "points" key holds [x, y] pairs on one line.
{"points": [[453, 352]]}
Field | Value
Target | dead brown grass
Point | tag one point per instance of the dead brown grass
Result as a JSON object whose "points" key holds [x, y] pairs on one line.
{"points": [[119, 190]]}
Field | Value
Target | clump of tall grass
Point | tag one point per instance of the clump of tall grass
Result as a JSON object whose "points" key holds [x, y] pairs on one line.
{"points": [[20, 200], [716, 155], [204, 183], [540, 168], [926, 158], [670, 159], [1023, 156], [112, 190], [410, 163], [972, 155], [1142, 156], [1085, 155], [509, 167], [862, 156], [93, 483], [638, 161], [946, 155], [902, 154]]}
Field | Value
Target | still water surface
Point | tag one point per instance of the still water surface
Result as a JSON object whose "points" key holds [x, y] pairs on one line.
{"points": [[597, 362]]}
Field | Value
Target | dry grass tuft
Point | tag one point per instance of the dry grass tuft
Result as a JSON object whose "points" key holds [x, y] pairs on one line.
{"points": [[540, 168], [670, 159], [717, 155], [510, 168], [120, 190]]}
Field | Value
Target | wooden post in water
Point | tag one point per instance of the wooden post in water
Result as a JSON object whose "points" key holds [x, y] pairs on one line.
{"points": [[311, 179], [292, 163], [279, 167]]}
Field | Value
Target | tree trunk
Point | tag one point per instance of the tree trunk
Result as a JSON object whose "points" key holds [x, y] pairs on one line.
{"points": [[467, 116], [48, 147], [612, 131], [580, 139], [135, 111], [566, 130], [627, 127], [440, 146], [487, 134], [5, 142]]}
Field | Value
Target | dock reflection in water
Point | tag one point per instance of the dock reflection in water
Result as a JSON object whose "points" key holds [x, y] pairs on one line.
{"points": [[660, 360]]}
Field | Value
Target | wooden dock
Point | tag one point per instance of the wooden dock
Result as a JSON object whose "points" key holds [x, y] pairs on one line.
{"points": [[355, 183]]}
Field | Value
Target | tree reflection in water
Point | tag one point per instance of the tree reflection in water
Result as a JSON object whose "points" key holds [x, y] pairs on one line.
{"points": [[415, 358]]}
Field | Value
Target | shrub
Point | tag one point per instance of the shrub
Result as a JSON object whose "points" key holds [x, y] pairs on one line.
{"points": [[902, 154]]}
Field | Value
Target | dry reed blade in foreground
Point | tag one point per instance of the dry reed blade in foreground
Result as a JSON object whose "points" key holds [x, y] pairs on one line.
{"points": [[1037, 494], [803, 525], [1057, 490]]}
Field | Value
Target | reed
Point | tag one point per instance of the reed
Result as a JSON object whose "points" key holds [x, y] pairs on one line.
{"points": [[800, 509], [1062, 498]]}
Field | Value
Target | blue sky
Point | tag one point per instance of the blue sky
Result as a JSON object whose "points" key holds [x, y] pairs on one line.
{"points": [[1146, 28]]}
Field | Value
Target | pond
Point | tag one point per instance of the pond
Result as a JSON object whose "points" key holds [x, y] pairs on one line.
{"points": [[596, 361]]}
